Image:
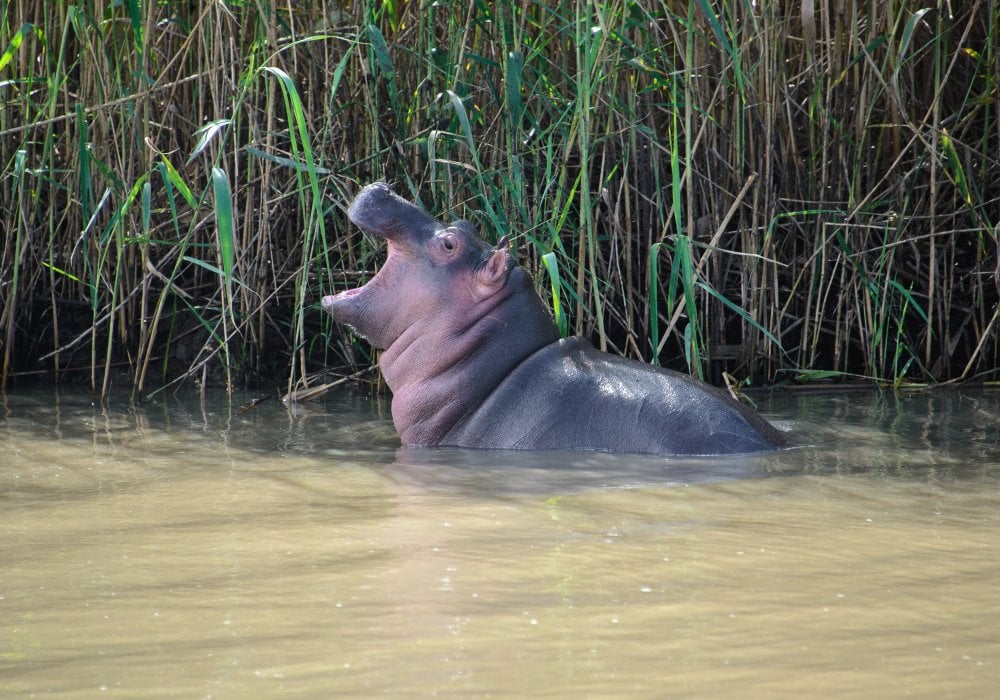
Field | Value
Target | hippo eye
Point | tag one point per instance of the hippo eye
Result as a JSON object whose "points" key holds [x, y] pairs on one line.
{"points": [[448, 243]]}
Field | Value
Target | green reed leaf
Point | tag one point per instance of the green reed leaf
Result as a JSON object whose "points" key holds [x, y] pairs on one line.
{"points": [[147, 205], [286, 162], [205, 135], [383, 60], [955, 170], [60, 271], [811, 375], [907, 37], [135, 18], [727, 45], [224, 221], [15, 43], [654, 299], [552, 266], [515, 105], [742, 313], [463, 120], [174, 178]]}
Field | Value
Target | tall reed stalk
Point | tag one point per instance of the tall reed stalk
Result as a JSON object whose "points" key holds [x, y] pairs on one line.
{"points": [[777, 191]]}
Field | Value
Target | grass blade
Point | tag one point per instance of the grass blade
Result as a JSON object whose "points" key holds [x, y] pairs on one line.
{"points": [[15, 43], [224, 222], [552, 266]]}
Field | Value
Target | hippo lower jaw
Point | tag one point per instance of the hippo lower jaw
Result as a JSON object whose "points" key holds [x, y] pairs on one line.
{"points": [[338, 305], [330, 302], [333, 298]]}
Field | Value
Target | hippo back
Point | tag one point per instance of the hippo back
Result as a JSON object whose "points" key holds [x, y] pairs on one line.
{"points": [[569, 395]]}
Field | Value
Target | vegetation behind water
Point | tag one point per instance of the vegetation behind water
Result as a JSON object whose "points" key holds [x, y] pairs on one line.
{"points": [[777, 190]]}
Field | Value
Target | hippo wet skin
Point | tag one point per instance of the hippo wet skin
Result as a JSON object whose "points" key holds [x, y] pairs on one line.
{"points": [[473, 357]]}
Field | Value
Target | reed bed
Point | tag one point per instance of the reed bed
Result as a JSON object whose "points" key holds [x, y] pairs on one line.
{"points": [[751, 191]]}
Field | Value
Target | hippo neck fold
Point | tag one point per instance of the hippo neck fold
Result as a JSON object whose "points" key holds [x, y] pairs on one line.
{"points": [[439, 376]]}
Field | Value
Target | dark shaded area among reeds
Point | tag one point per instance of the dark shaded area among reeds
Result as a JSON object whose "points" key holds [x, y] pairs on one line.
{"points": [[771, 190]]}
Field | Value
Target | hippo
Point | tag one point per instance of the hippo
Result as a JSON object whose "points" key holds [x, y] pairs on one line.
{"points": [[473, 358]]}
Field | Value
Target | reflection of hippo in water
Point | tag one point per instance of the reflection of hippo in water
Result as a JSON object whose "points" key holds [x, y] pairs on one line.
{"points": [[473, 358]]}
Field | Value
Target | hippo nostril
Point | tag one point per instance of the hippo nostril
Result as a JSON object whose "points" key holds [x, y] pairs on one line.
{"points": [[376, 189]]}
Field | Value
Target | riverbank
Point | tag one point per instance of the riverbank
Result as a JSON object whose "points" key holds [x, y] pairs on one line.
{"points": [[764, 194]]}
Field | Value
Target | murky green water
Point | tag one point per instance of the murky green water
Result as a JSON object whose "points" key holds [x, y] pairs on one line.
{"points": [[180, 550]]}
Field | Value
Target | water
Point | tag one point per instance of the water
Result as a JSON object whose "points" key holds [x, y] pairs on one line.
{"points": [[186, 550]]}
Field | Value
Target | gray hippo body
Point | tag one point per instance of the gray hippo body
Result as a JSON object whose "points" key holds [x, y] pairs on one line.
{"points": [[571, 395], [474, 360]]}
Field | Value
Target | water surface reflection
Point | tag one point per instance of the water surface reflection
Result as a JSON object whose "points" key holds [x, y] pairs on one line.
{"points": [[189, 550]]}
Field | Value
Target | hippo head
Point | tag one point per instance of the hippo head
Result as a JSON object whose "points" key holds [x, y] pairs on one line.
{"points": [[436, 277]]}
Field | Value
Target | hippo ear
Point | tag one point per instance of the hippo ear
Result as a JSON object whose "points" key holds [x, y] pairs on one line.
{"points": [[491, 276]]}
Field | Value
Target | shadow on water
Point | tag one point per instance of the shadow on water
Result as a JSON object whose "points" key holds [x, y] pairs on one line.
{"points": [[508, 472]]}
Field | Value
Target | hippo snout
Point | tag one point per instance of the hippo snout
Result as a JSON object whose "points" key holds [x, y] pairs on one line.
{"points": [[372, 195], [381, 212]]}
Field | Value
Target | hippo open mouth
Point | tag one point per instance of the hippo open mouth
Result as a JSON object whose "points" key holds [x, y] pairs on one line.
{"points": [[330, 301], [354, 307], [405, 226]]}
